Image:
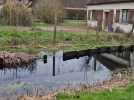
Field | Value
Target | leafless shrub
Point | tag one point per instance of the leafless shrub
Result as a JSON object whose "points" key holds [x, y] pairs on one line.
{"points": [[16, 13], [45, 10]]}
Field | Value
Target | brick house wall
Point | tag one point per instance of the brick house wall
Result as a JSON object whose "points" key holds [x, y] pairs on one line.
{"points": [[131, 16]]}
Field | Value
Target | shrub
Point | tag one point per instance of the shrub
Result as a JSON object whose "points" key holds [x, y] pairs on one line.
{"points": [[16, 13], [45, 10]]}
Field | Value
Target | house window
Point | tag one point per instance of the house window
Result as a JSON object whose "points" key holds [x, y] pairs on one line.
{"points": [[124, 16]]}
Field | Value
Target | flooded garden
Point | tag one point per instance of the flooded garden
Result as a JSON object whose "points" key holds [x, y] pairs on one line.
{"points": [[58, 70], [49, 52]]}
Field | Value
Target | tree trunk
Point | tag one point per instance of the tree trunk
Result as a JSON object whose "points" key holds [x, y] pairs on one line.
{"points": [[55, 28]]}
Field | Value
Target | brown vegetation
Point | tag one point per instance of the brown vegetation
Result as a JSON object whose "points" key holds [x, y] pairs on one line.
{"points": [[11, 60], [107, 85], [49, 97]]}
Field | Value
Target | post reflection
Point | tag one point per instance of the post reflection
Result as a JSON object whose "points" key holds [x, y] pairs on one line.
{"points": [[53, 64]]}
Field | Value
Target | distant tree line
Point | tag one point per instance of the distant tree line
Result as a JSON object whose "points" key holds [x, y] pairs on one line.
{"points": [[45, 10]]}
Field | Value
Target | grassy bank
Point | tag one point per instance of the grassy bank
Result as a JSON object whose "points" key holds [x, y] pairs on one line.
{"points": [[116, 94], [33, 40]]}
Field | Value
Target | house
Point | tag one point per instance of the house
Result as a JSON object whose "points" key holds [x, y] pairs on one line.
{"points": [[75, 9], [111, 15]]}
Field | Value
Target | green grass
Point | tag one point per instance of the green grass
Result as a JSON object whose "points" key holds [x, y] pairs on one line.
{"points": [[74, 23], [34, 40], [71, 23], [116, 94], [39, 23]]}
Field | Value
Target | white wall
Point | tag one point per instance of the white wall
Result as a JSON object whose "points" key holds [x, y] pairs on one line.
{"points": [[92, 23], [125, 28]]}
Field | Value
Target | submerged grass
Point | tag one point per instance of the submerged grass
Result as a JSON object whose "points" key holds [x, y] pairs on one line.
{"points": [[33, 40], [115, 94]]}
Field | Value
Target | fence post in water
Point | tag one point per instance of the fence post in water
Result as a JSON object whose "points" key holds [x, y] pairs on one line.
{"points": [[129, 60], [95, 63], [132, 62], [16, 73], [53, 63], [45, 59]]}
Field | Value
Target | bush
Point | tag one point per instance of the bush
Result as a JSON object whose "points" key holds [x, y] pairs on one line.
{"points": [[45, 10], [16, 13]]}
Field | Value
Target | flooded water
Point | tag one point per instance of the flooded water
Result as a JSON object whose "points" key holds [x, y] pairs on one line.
{"points": [[54, 73]]}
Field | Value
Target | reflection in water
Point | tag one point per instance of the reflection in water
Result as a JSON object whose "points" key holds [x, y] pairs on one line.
{"points": [[56, 72], [14, 73], [53, 63]]}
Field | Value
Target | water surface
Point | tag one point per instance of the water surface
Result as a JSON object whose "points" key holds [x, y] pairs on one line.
{"points": [[53, 74]]}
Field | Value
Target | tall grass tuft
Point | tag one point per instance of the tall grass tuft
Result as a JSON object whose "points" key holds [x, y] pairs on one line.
{"points": [[16, 14]]}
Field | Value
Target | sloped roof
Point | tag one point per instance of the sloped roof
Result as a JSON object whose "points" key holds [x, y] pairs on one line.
{"points": [[96, 2], [75, 3]]}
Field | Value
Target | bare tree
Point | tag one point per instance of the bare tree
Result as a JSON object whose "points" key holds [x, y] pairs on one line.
{"points": [[16, 12]]}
